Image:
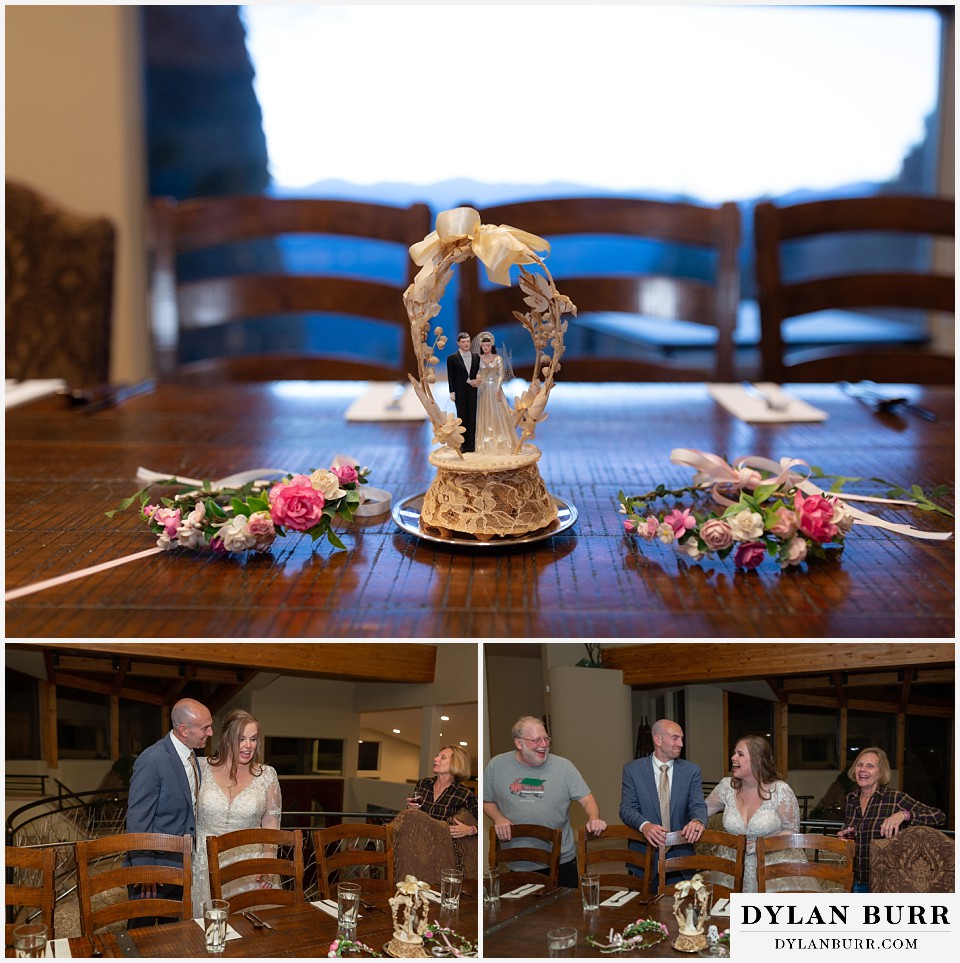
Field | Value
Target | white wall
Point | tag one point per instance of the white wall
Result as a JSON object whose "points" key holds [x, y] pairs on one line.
{"points": [[517, 691], [74, 130], [399, 760]]}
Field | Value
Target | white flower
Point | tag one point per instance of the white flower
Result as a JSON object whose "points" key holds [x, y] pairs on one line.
{"points": [[666, 534], [793, 552], [746, 526], [842, 516], [325, 482], [190, 533], [236, 535], [691, 548]]}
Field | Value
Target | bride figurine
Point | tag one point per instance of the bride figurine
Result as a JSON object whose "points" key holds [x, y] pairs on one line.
{"points": [[496, 432]]}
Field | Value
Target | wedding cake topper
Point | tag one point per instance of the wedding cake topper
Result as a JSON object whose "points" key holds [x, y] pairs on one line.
{"points": [[487, 487]]}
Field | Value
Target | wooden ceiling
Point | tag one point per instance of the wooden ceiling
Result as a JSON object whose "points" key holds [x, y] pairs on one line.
{"points": [[912, 677], [214, 672]]}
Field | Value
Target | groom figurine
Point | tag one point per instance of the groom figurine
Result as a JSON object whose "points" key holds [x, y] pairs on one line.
{"points": [[163, 793], [663, 793], [462, 365]]}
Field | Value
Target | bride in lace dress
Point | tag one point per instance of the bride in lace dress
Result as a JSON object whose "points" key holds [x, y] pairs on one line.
{"points": [[237, 791], [495, 428], [756, 802]]}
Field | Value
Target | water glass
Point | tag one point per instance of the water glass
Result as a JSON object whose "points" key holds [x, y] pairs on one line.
{"points": [[451, 881], [590, 893], [215, 913], [491, 886], [562, 941], [348, 905], [30, 941]]}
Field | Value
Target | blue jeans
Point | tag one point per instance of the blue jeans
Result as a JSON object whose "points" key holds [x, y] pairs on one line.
{"points": [[861, 888]]}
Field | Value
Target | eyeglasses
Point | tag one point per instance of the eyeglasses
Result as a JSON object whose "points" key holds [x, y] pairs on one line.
{"points": [[540, 740]]}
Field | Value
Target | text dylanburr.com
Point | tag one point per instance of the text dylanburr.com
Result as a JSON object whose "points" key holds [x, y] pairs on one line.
{"points": [[818, 925]]}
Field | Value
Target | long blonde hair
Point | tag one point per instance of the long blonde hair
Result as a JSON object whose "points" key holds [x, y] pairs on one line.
{"points": [[228, 745]]}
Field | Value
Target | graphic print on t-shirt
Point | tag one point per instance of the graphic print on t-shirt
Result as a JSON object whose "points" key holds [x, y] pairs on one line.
{"points": [[528, 787]]}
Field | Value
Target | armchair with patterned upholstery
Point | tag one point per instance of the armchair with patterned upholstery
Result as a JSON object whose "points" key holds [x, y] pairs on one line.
{"points": [[917, 860]]}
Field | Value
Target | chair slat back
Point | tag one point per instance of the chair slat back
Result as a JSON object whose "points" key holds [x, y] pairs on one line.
{"points": [[500, 855], [612, 846], [333, 856], [260, 857], [137, 852], [30, 866], [729, 863], [836, 868]]}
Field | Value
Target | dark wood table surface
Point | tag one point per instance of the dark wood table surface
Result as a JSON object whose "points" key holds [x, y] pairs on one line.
{"points": [[518, 928], [65, 469], [298, 931]]}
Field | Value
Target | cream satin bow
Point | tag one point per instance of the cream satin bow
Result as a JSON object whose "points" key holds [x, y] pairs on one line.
{"points": [[684, 887], [497, 247]]}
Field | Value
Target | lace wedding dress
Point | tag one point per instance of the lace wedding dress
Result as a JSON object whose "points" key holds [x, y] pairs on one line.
{"points": [[257, 805], [778, 814], [495, 428]]}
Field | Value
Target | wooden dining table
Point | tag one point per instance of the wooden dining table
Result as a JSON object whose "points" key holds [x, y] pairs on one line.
{"points": [[66, 469], [518, 928], [301, 931]]}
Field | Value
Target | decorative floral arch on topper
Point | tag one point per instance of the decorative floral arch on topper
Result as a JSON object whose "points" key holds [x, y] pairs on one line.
{"points": [[459, 236]]}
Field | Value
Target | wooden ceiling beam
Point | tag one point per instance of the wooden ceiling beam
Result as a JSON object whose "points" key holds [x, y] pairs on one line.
{"points": [[106, 688], [655, 664], [873, 705], [404, 662]]}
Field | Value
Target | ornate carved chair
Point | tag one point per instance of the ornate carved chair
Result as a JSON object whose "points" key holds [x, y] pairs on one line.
{"points": [[422, 846], [920, 859]]}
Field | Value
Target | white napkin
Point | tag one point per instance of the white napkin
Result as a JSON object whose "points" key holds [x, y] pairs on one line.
{"points": [[522, 891], [232, 934], [738, 401], [721, 908], [329, 907], [20, 392], [618, 899], [59, 949], [375, 404]]}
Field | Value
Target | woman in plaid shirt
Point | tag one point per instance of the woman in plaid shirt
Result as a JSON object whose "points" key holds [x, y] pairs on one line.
{"points": [[873, 810], [442, 795]]}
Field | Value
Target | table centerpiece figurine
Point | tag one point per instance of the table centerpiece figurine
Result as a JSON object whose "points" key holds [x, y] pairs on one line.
{"points": [[494, 491], [691, 908], [410, 910]]}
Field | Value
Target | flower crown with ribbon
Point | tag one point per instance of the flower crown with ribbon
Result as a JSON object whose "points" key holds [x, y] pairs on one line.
{"points": [[459, 235], [766, 508]]}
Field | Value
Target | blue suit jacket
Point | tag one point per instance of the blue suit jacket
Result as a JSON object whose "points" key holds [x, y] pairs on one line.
{"points": [[640, 801], [159, 800]]}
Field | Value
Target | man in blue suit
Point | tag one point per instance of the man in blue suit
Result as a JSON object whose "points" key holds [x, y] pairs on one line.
{"points": [[163, 793], [663, 775]]}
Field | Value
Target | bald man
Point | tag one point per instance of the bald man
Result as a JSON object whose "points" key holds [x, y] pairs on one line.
{"points": [[163, 792]]}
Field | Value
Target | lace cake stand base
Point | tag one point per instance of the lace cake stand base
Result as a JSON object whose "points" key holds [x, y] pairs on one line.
{"points": [[687, 943], [487, 497], [405, 951]]}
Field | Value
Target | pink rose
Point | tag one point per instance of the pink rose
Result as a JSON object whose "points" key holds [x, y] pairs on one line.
{"points": [[629, 526], [793, 552], [169, 518], [786, 524], [716, 534], [296, 504], [649, 528], [346, 473], [680, 521], [260, 526], [816, 514], [749, 554]]}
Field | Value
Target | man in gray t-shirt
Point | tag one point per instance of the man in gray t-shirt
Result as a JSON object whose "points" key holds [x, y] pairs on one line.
{"points": [[531, 786]]}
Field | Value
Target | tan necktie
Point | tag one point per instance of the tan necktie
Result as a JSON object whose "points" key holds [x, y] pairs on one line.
{"points": [[664, 798], [196, 787]]}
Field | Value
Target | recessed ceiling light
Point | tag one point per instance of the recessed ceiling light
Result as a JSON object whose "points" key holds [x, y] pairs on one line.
{"points": [[444, 718], [396, 732], [462, 743]]}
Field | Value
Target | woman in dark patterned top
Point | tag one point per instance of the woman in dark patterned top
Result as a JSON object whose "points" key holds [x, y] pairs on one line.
{"points": [[442, 795], [873, 811]]}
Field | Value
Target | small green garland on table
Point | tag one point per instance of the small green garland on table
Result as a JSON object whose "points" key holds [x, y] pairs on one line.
{"points": [[343, 947], [443, 936], [638, 935]]}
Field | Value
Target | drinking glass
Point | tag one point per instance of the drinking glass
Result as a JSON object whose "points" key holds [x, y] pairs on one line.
{"points": [[215, 913], [562, 941], [590, 893], [30, 941], [348, 905], [491, 886], [451, 881]]}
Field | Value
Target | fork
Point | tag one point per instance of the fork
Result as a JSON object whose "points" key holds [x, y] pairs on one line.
{"points": [[772, 403]]}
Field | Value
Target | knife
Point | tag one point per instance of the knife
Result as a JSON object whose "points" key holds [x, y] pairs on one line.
{"points": [[870, 394], [105, 396]]}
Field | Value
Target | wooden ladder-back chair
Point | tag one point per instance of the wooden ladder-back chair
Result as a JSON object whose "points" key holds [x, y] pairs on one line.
{"points": [[834, 286], [218, 267], [501, 856], [91, 881], [256, 852], [356, 853], [611, 846], [835, 867], [31, 875], [636, 308], [59, 291], [727, 861]]}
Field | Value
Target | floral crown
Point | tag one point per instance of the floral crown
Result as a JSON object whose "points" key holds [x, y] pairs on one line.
{"points": [[762, 508], [459, 235], [243, 513]]}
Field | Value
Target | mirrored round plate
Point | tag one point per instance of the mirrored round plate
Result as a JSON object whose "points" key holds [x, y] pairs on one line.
{"points": [[407, 515]]}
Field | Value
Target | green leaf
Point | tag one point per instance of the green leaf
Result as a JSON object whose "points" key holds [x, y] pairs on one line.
{"points": [[240, 507], [333, 539]]}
